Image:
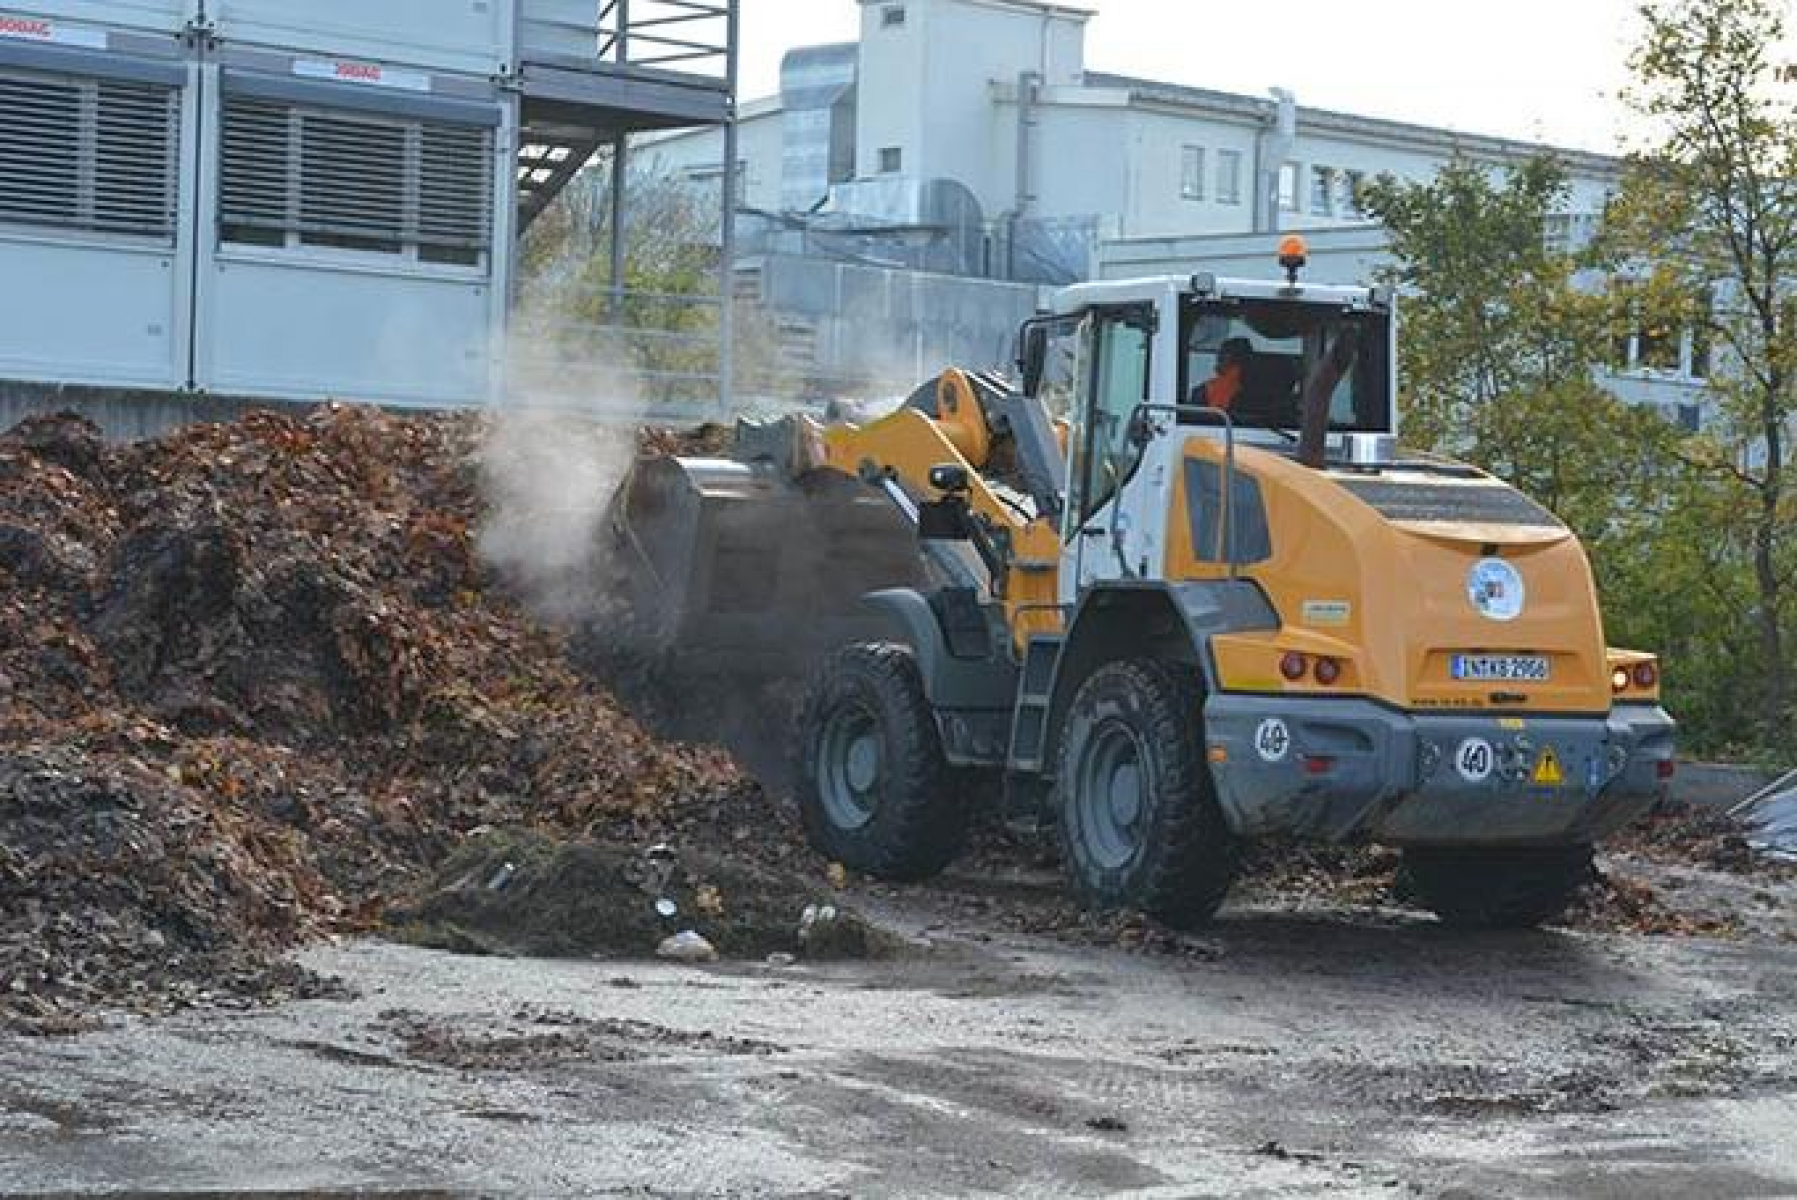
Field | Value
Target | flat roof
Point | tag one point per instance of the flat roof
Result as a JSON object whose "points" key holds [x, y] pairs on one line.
{"points": [[1378, 129]]}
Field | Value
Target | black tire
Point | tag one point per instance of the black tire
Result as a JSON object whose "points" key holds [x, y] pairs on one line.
{"points": [[1498, 889], [875, 793], [1140, 824]]}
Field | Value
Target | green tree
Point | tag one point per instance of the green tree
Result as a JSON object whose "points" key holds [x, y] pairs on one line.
{"points": [[1504, 345], [1706, 224], [657, 337], [1503, 339]]}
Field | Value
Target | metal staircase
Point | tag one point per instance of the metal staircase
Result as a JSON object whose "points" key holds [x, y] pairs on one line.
{"points": [[594, 71]]}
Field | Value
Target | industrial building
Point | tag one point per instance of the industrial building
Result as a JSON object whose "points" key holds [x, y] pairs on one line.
{"points": [[971, 138], [221, 200]]}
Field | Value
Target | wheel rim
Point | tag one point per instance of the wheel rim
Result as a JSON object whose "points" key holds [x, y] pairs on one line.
{"points": [[1111, 801], [851, 766]]}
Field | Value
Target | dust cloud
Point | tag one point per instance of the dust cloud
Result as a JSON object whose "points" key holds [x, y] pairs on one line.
{"points": [[553, 457]]}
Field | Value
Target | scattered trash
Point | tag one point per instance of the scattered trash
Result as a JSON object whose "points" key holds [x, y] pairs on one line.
{"points": [[687, 947], [665, 907], [815, 920], [503, 876], [709, 901], [1108, 1124], [1771, 819]]}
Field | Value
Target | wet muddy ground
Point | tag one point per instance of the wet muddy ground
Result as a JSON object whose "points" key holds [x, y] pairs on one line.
{"points": [[1290, 1051]]}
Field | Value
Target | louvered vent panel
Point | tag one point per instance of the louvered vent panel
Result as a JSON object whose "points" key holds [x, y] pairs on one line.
{"points": [[88, 155], [315, 177]]}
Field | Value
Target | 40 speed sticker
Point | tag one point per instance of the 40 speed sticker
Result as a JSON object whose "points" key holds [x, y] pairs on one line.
{"points": [[1273, 740], [1475, 760]]}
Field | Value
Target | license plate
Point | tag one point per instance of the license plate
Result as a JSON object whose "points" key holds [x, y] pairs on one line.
{"points": [[1501, 668]]}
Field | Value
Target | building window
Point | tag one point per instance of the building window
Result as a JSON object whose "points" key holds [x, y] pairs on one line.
{"points": [[1191, 173], [892, 16], [892, 160], [1353, 183], [88, 155], [1288, 187], [1659, 345], [296, 176], [1229, 176], [1322, 191]]}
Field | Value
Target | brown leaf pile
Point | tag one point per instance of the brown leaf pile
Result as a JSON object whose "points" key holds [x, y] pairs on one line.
{"points": [[253, 682]]}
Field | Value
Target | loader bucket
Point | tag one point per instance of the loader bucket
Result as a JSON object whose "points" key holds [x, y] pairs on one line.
{"points": [[736, 570]]}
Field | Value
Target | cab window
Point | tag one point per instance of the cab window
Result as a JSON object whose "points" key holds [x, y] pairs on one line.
{"points": [[1252, 359], [1119, 346]]}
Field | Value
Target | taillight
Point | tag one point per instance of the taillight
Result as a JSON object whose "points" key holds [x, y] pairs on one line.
{"points": [[1619, 679], [1328, 672], [1294, 666], [1647, 675], [1666, 768]]}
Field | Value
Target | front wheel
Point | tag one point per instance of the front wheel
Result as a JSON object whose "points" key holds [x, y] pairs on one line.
{"points": [[1140, 823], [875, 792], [1498, 889]]}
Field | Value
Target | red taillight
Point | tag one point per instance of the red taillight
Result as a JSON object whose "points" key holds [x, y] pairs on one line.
{"points": [[1666, 768], [1319, 765], [1647, 675], [1328, 672], [1294, 666]]}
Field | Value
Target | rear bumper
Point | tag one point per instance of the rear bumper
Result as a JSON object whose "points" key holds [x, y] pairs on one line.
{"points": [[1353, 769]]}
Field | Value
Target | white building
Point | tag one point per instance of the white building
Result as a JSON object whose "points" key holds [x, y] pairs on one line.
{"points": [[970, 137], [995, 97]]}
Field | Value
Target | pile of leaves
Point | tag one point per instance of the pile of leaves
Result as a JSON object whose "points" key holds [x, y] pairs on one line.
{"points": [[254, 682]]}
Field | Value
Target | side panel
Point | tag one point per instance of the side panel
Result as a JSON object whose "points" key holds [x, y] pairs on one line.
{"points": [[318, 278], [29, 18], [466, 36], [98, 229], [318, 331]]}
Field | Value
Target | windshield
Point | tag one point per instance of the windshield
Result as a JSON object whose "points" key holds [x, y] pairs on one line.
{"points": [[1252, 357]]}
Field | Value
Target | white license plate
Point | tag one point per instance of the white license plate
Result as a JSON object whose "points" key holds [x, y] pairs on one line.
{"points": [[1501, 668]]}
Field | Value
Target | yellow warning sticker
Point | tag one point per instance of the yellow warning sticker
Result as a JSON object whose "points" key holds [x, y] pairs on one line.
{"points": [[1548, 772]]}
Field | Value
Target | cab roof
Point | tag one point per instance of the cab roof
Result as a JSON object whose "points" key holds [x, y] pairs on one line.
{"points": [[1153, 290]]}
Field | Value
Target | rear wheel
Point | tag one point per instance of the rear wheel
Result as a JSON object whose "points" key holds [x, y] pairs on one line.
{"points": [[1498, 889], [875, 792], [1139, 819]]}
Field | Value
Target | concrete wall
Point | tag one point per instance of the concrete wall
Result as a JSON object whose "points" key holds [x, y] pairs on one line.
{"points": [[896, 327]]}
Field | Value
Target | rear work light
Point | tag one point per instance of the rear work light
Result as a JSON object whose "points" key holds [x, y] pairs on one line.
{"points": [[1619, 679]]}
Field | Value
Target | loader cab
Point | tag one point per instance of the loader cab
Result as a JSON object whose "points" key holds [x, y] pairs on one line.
{"points": [[1127, 365], [1109, 346]]}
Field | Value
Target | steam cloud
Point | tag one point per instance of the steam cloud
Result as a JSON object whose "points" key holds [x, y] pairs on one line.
{"points": [[549, 466]]}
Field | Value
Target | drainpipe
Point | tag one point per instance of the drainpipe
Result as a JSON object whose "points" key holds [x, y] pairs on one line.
{"points": [[1028, 83], [1272, 148]]}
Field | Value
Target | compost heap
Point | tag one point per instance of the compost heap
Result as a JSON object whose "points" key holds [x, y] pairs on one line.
{"points": [[254, 682]]}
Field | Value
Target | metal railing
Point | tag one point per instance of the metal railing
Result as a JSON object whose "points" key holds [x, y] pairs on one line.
{"points": [[639, 356], [692, 36], [1183, 413]]}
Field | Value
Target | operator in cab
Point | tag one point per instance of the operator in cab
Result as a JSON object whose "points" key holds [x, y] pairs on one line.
{"points": [[1223, 389]]}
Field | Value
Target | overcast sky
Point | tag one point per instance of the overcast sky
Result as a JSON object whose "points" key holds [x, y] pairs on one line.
{"points": [[1544, 70]]}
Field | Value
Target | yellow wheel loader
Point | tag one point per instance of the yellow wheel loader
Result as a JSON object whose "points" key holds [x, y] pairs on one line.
{"points": [[1173, 589]]}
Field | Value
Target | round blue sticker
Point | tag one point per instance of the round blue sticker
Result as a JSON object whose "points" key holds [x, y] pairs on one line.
{"points": [[1496, 590]]}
